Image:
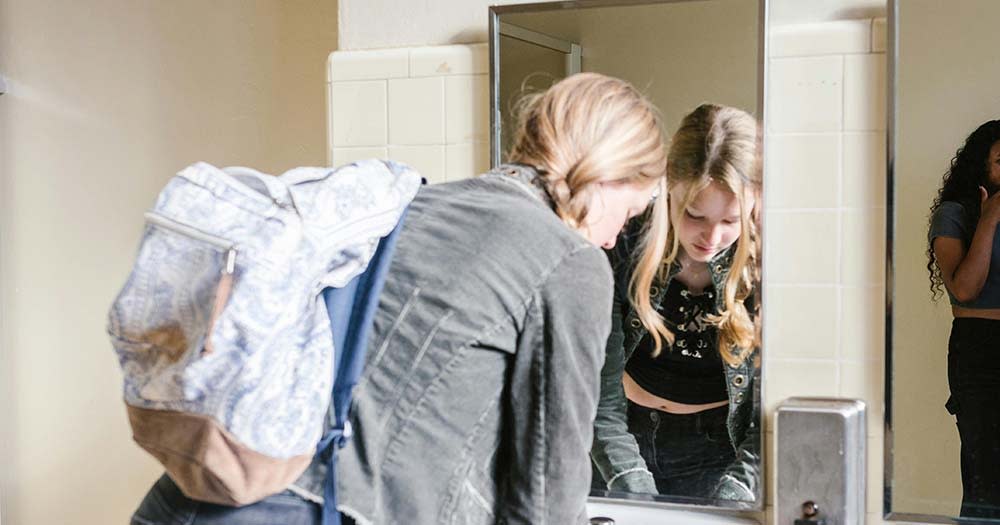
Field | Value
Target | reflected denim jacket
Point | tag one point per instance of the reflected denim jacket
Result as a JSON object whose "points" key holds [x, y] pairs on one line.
{"points": [[615, 451], [477, 401]]}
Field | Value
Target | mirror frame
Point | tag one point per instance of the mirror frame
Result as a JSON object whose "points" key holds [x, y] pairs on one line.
{"points": [[892, 50], [663, 501], [892, 89]]}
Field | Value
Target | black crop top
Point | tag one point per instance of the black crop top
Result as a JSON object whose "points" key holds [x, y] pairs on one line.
{"points": [[691, 370]]}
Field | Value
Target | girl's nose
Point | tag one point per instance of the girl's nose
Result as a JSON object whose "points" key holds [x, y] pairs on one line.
{"points": [[713, 235]]}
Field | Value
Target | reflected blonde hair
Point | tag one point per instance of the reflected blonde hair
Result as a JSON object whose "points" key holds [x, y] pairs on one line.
{"points": [[722, 145], [590, 128]]}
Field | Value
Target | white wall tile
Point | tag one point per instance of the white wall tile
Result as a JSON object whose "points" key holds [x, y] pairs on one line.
{"points": [[358, 113], [806, 94], [449, 60], [876, 469], [803, 171], [863, 380], [863, 247], [801, 322], [427, 160], [864, 92], [416, 111], [880, 35], [837, 244], [467, 108], [368, 65], [802, 247], [805, 377], [343, 156], [862, 334], [827, 38], [864, 169], [467, 160]]}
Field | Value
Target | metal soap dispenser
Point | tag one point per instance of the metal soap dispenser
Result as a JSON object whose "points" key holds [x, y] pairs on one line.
{"points": [[820, 447]]}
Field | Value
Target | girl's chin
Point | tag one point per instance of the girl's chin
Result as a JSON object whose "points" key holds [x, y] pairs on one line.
{"points": [[699, 254]]}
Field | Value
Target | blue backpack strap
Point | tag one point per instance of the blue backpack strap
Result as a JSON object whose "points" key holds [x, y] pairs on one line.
{"points": [[352, 311]]}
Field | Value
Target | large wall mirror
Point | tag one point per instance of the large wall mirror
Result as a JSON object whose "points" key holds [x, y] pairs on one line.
{"points": [[943, 337], [681, 54]]}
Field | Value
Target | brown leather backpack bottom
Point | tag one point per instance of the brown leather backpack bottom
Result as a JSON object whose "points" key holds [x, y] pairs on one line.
{"points": [[207, 462]]}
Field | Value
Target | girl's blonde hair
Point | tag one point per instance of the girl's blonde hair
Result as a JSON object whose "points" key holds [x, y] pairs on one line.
{"points": [[722, 145], [591, 128]]}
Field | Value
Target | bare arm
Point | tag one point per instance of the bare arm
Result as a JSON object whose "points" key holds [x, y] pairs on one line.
{"points": [[964, 272]]}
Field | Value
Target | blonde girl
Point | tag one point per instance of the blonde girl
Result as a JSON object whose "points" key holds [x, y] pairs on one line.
{"points": [[676, 414], [477, 400]]}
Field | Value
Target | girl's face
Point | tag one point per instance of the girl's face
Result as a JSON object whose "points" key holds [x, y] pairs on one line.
{"points": [[612, 204], [710, 224], [993, 165]]}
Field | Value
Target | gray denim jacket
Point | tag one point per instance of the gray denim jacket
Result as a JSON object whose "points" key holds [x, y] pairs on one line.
{"points": [[615, 451], [479, 393]]}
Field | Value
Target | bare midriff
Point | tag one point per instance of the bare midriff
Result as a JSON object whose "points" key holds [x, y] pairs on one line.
{"points": [[643, 397], [981, 313]]}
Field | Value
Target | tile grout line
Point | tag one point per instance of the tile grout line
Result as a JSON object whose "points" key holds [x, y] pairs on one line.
{"points": [[871, 35], [840, 254], [385, 84], [445, 125]]}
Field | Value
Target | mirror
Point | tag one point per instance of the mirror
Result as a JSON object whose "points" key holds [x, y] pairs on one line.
{"points": [[705, 450], [942, 420]]}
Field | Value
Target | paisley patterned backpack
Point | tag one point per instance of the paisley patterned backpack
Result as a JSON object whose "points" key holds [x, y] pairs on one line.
{"points": [[221, 329]]}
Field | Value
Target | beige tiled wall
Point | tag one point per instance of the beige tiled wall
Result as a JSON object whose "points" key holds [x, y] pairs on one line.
{"points": [[425, 106], [825, 184], [824, 224]]}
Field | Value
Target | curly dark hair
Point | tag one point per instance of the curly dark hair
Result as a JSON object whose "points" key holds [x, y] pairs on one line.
{"points": [[969, 170]]}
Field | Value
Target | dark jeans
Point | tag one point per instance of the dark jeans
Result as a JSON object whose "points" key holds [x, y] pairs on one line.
{"points": [[974, 380], [165, 504], [687, 454]]}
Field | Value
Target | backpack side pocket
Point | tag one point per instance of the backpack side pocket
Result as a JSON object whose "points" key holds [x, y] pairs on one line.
{"points": [[179, 285]]}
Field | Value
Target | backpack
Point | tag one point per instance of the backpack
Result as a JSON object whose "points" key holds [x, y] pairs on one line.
{"points": [[222, 328]]}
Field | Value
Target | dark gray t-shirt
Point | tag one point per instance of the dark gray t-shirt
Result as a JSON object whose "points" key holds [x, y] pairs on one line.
{"points": [[949, 221]]}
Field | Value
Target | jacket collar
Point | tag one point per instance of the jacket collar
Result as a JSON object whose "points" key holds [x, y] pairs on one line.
{"points": [[718, 266], [528, 178]]}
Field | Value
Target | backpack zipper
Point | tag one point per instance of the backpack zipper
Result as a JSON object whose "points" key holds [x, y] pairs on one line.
{"points": [[189, 231]]}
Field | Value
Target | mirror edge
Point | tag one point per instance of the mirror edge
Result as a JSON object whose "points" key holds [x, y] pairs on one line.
{"points": [[763, 27], [892, 52], [763, 48]]}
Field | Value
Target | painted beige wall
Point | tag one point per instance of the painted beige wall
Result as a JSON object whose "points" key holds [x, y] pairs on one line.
{"points": [[812, 11], [377, 24], [435, 22], [947, 87], [107, 99]]}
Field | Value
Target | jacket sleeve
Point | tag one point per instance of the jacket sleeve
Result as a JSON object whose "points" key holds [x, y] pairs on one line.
{"points": [[741, 481], [615, 450], [553, 393]]}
